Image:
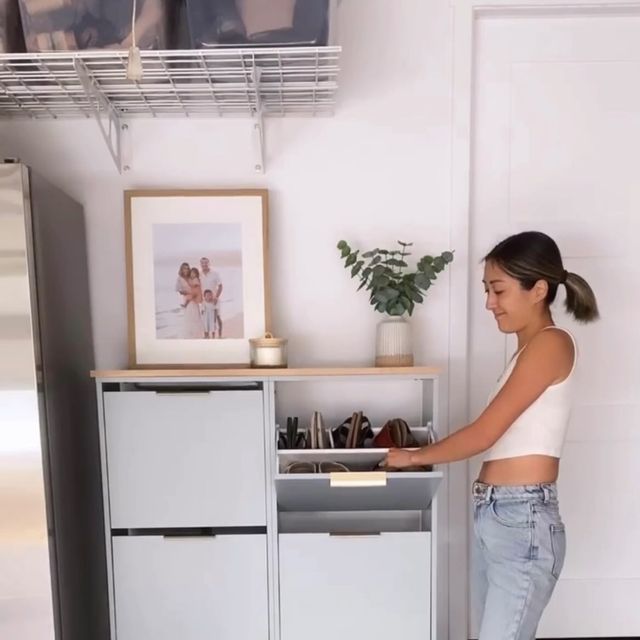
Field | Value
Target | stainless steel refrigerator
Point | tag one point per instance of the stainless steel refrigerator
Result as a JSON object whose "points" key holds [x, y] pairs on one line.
{"points": [[52, 570]]}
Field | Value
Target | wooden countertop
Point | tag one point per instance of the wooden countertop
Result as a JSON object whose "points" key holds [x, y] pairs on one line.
{"points": [[265, 373]]}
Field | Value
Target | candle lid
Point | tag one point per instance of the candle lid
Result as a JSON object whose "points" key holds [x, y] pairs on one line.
{"points": [[268, 341]]}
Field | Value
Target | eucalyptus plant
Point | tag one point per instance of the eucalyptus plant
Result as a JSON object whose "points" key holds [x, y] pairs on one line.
{"points": [[393, 288]]}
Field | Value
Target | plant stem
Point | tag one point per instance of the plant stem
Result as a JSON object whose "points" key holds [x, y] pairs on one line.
{"points": [[402, 259]]}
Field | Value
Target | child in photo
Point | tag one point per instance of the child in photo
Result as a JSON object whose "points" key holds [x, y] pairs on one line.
{"points": [[209, 314]]}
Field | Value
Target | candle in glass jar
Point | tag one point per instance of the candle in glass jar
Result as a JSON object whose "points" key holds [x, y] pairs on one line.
{"points": [[268, 351], [268, 357]]}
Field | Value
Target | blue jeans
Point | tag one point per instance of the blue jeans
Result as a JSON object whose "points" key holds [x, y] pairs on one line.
{"points": [[520, 547]]}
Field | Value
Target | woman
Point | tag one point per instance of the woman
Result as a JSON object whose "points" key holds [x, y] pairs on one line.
{"points": [[182, 283], [193, 326], [519, 534]]}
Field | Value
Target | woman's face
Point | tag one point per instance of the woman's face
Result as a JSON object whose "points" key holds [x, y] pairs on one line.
{"points": [[512, 306], [184, 270]]}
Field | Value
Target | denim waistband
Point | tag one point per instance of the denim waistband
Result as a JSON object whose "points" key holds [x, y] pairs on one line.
{"points": [[546, 492]]}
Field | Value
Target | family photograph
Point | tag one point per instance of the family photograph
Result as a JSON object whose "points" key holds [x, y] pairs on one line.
{"points": [[198, 281]]}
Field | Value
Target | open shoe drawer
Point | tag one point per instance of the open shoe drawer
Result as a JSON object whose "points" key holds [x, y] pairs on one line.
{"points": [[377, 490]]}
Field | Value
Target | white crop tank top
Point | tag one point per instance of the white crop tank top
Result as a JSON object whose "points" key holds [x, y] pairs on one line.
{"points": [[541, 428]]}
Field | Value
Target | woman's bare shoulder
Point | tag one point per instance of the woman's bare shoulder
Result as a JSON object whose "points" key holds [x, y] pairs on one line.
{"points": [[554, 345]]}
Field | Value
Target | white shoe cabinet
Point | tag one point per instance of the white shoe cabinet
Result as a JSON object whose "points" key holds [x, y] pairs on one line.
{"points": [[210, 538]]}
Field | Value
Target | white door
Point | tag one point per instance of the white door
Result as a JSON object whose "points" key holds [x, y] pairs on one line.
{"points": [[556, 130]]}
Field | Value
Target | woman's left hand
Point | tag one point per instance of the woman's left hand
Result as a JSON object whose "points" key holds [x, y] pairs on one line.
{"points": [[398, 459]]}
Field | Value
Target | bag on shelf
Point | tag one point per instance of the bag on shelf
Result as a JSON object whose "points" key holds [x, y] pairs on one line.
{"points": [[216, 23], [68, 25], [11, 36], [263, 16]]}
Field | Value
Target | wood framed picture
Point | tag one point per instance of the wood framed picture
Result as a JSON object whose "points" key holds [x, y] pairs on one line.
{"points": [[197, 276]]}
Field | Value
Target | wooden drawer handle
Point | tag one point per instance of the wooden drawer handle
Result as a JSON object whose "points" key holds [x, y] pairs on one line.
{"points": [[360, 479]]}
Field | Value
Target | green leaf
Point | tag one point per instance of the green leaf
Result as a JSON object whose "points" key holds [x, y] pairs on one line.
{"points": [[404, 301], [395, 309], [405, 244], [362, 284], [365, 272], [351, 259], [356, 268], [428, 271], [368, 254], [391, 293], [376, 260], [427, 259], [414, 294], [438, 264], [341, 245], [423, 281], [386, 295], [396, 263], [345, 252], [384, 252], [447, 256]]}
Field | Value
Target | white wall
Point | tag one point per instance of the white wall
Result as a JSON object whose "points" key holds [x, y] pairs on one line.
{"points": [[377, 172]]}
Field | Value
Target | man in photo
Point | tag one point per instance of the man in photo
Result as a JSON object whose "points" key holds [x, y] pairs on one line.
{"points": [[211, 281]]}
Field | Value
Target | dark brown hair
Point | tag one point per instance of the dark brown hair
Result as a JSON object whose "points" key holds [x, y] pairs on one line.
{"points": [[531, 256]]}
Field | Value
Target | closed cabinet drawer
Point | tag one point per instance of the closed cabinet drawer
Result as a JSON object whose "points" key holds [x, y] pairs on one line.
{"points": [[191, 588], [185, 460], [375, 586]]}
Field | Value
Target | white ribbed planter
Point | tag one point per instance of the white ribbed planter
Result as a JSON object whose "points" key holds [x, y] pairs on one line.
{"points": [[393, 342]]}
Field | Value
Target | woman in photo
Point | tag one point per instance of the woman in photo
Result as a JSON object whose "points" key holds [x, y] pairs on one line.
{"points": [[519, 534], [192, 320], [182, 283]]}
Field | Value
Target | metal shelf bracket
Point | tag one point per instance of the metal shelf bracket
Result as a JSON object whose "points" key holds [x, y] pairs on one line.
{"points": [[113, 130], [258, 123]]}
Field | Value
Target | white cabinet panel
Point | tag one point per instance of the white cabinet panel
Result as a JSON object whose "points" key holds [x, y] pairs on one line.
{"points": [[185, 459], [350, 587], [191, 588]]}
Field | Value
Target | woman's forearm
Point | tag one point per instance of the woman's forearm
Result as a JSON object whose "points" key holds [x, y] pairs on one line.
{"points": [[464, 443]]}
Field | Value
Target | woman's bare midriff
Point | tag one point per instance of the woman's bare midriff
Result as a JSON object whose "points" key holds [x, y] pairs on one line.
{"points": [[522, 470]]}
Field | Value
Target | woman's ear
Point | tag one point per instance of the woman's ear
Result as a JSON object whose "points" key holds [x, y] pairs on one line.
{"points": [[540, 290]]}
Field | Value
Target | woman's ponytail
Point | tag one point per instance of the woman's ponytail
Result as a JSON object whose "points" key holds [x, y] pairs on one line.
{"points": [[581, 301]]}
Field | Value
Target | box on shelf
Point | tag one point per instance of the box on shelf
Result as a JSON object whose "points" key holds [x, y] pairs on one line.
{"points": [[69, 25], [11, 36], [219, 23]]}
